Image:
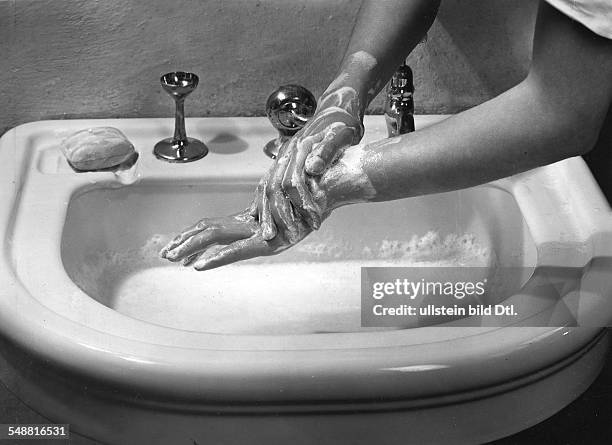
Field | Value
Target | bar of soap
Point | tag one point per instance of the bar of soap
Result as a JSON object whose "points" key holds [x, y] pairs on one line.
{"points": [[97, 148]]}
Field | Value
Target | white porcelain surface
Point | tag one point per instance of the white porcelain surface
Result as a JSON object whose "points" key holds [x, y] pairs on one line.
{"points": [[78, 253]]}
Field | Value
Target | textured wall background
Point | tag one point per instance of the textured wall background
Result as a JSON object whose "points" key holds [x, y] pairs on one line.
{"points": [[103, 58]]}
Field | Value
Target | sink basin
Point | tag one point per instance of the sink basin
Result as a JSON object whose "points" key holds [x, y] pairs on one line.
{"points": [[98, 332], [111, 238]]}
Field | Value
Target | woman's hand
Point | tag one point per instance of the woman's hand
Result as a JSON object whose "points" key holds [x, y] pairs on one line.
{"points": [[336, 125], [245, 236], [283, 195], [240, 234]]}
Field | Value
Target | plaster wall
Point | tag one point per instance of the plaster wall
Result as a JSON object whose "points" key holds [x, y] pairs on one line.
{"points": [[94, 58]]}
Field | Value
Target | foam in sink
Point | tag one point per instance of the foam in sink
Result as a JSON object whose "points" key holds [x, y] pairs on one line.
{"points": [[263, 296]]}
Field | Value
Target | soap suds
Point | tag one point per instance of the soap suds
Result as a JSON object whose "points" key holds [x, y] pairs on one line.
{"points": [[432, 247], [346, 177], [344, 98], [363, 59], [336, 83], [99, 271], [313, 287]]}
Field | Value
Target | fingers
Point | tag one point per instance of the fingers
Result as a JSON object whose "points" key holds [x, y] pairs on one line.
{"points": [[268, 228], [189, 260], [256, 204], [323, 153], [294, 183], [191, 246], [201, 241], [253, 208], [212, 231], [244, 249], [271, 218], [238, 250], [260, 207], [279, 204], [186, 234], [280, 208]]}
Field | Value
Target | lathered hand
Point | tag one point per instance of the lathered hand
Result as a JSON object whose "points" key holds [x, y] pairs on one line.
{"points": [[284, 195], [215, 242], [335, 126]]}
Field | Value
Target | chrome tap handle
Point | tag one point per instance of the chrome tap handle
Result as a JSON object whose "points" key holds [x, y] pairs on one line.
{"points": [[289, 108]]}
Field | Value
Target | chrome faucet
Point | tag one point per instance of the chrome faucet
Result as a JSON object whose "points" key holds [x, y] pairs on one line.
{"points": [[399, 107], [179, 148], [289, 107]]}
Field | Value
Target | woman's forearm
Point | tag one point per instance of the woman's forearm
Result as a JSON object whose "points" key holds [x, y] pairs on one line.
{"points": [[512, 133], [384, 34], [555, 113]]}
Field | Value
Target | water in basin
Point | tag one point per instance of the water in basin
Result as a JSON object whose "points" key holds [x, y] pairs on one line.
{"points": [[112, 237]]}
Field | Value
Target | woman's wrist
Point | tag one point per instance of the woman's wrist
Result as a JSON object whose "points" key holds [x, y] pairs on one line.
{"points": [[358, 82], [344, 182], [344, 98]]}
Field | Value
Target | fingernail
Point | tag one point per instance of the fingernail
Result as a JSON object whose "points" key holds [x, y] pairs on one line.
{"points": [[201, 265]]}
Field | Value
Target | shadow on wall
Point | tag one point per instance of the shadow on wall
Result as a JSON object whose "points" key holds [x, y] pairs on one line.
{"points": [[476, 50], [88, 58]]}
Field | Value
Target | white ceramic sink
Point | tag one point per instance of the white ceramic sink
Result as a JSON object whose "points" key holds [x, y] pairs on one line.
{"points": [[112, 236], [88, 308]]}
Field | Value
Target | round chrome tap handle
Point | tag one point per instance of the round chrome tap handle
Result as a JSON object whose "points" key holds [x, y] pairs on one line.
{"points": [[289, 107]]}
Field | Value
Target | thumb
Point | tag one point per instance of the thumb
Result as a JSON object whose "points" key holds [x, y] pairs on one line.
{"points": [[323, 153]]}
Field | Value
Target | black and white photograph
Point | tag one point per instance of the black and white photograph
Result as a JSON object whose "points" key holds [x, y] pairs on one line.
{"points": [[306, 222]]}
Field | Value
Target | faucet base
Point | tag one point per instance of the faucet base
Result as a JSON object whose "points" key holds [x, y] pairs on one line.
{"points": [[273, 147], [171, 150]]}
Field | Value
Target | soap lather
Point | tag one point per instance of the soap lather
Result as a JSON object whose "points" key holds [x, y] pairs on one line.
{"points": [[99, 148]]}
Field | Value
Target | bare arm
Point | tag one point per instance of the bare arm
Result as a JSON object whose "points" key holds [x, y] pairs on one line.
{"points": [[384, 34], [555, 113]]}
